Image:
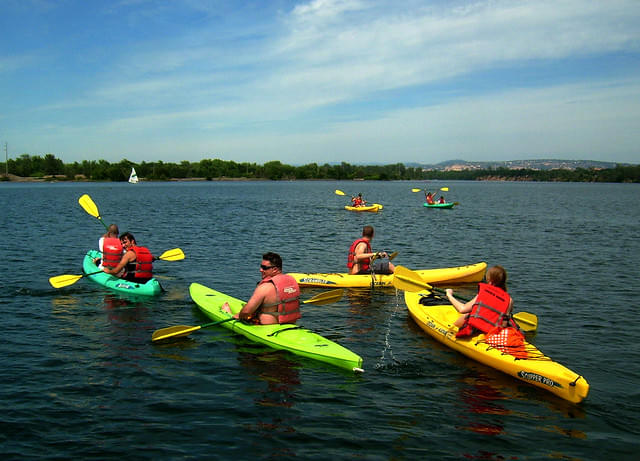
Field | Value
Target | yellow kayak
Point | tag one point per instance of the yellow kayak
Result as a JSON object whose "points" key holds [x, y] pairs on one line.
{"points": [[371, 208], [536, 369], [447, 275]]}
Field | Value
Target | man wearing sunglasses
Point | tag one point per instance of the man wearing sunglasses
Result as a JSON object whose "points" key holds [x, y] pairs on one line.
{"points": [[275, 299]]}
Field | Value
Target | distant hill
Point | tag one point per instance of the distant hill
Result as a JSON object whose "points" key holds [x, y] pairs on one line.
{"points": [[538, 164]]}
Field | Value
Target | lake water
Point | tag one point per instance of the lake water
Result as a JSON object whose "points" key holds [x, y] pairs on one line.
{"points": [[81, 378]]}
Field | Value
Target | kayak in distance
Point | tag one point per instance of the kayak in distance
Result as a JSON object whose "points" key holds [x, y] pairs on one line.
{"points": [[151, 288], [370, 208], [439, 205], [290, 337], [448, 275], [524, 361]]}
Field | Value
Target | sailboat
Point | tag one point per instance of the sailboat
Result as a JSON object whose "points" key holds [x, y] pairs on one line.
{"points": [[133, 177]]}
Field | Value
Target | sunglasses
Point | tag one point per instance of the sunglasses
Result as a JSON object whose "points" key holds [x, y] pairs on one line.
{"points": [[265, 268]]}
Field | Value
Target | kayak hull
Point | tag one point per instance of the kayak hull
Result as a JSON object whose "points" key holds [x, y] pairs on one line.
{"points": [[289, 337], [449, 275], [538, 370], [151, 288], [439, 205], [370, 208]]}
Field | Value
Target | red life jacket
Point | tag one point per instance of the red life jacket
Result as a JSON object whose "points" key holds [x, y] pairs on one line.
{"points": [[111, 251], [489, 311], [287, 298], [351, 258], [143, 265]]}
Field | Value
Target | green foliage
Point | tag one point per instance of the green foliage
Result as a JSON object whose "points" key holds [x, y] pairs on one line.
{"points": [[101, 170]]}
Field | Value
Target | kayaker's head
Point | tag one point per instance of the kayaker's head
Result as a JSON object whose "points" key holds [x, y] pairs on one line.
{"points": [[367, 232], [497, 276], [271, 265], [112, 231], [128, 240]]}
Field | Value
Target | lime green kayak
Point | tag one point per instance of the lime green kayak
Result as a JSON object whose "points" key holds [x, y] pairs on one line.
{"points": [[289, 337], [151, 288]]}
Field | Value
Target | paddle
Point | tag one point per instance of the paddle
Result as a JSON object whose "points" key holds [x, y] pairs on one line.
{"points": [[183, 330], [65, 280], [408, 280], [90, 207], [443, 189]]}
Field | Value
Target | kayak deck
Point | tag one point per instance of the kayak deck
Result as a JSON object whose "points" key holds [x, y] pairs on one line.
{"points": [[290, 337], [151, 288], [537, 369], [448, 275], [371, 208]]}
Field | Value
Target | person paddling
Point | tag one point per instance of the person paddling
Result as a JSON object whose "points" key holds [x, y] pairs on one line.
{"points": [[137, 262], [110, 247], [275, 299], [360, 254], [491, 308]]}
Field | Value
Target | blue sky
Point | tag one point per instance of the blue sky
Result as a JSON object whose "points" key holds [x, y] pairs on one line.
{"points": [[321, 80]]}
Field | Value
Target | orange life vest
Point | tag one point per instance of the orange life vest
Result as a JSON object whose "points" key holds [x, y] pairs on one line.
{"points": [[489, 311], [351, 258], [143, 267], [287, 298], [111, 251]]}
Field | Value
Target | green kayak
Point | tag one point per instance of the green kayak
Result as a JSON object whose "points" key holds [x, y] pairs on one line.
{"points": [[151, 288], [440, 205], [289, 337]]}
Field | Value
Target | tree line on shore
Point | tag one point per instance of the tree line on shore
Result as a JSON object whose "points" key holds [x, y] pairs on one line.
{"points": [[209, 169]]}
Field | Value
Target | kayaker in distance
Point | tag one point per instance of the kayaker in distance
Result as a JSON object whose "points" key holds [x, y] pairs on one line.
{"points": [[489, 309], [358, 201], [441, 199], [275, 299], [137, 262], [429, 198], [360, 254], [110, 247]]}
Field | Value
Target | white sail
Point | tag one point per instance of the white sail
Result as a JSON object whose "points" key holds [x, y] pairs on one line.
{"points": [[133, 177]]}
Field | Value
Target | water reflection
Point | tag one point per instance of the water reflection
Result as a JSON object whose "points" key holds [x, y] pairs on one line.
{"points": [[279, 375]]}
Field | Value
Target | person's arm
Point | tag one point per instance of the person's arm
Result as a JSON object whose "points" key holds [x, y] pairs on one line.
{"points": [[461, 307], [249, 309], [128, 257]]}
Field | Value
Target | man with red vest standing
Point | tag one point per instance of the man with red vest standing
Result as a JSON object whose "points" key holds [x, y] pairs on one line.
{"points": [[275, 299], [137, 262], [360, 254]]}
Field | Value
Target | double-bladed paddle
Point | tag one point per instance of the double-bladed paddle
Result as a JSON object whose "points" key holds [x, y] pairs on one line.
{"points": [[65, 280], [184, 330], [408, 280]]}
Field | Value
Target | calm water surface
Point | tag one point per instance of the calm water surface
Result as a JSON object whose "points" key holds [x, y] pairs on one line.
{"points": [[81, 378]]}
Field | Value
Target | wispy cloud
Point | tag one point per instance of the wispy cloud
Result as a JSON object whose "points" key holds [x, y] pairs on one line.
{"points": [[443, 74]]}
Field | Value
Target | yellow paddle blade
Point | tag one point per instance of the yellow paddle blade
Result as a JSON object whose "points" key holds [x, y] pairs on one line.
{"points": [[60, 281], [173, 332], [526, 321], [408, 280], [326, 298], [445, 189], [416, 190], [172, 255], [339, 192], [393, 255], [89, 206]]}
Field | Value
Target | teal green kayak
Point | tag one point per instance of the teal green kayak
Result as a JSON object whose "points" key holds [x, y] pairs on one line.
{"points": [[151, 288], [289, 337], [440, 205]]}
